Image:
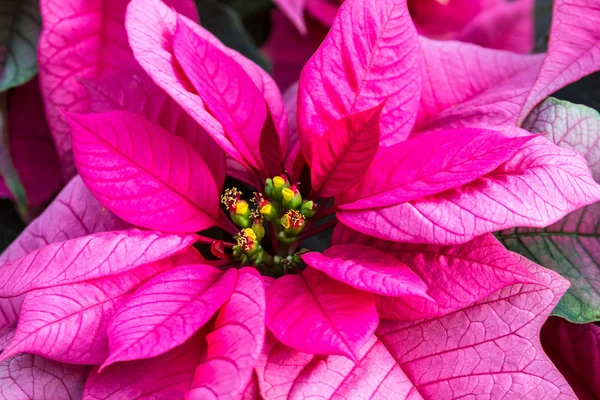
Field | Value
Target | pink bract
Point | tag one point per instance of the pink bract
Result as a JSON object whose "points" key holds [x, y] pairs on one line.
{"points": [[132, 271]]}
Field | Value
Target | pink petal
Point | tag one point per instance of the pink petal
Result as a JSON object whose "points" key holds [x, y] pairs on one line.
{"points": [[277, 367], [288, 50], [456, 276], [505, 26], [313, 313], [345, 151], [575, 350], [294, 10], [573, 50], [164, 377], [167, 311], [431, 164], [515, 194], [235, 344], [90, 257], [465, 82], [74, 213], [68, 323], [29, 376], [491, 347], [252, 391], [81, 40], [142, 173], [226, 89], [370, 54], [323, 10], [375, 375], [441, 19], [137, 93], [31, 145], [367, 269], [151, 26]]}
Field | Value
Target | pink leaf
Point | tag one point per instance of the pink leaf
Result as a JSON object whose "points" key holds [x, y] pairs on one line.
{"points": [[575, 350], [151, 26], [29, 376], [224, 86], [81, 40], [489, 348], [431, 164], [235, 344], [492, 346], [463, 82], [294, 10], [316, 314], [90, 257], [370, 54], [142, 173], [367, 269], [345, 151], [137, 93], [455, 276], [167, 311], [573, 50], [515, 194], [503, 25], [74, 213], [164, 377], [68, 323], [31, 146], [323, 11]]}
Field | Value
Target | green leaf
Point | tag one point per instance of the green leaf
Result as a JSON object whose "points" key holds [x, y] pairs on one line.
{"points": [[224, 22], [248, 8], [7, 168], [20, 27], [571, 246]]}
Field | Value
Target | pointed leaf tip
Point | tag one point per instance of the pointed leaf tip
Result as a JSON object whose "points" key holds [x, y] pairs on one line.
{"points": [[345, 151]]}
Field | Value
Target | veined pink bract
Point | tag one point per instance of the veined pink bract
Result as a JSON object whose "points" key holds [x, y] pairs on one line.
{"points": [[414, 298]]}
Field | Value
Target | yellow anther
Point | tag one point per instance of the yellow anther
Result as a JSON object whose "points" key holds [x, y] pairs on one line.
{"points": [[288, 194], [266, 209], [278, 182], [249, 232], [241, 207]]}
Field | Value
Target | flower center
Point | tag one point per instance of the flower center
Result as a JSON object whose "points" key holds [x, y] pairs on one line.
{"points": [[280, 213]]}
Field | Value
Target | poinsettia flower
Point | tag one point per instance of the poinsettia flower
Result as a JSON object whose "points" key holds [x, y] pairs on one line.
{"points": [[155, 318]]}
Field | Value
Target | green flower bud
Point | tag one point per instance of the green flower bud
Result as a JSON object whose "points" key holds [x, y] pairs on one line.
{"points": [[292, 199], [279, 183], [258, 228], [308, 208], [269, 187], [240, 214]]}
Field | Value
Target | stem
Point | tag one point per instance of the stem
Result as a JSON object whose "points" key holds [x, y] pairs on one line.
{"points": [[318, 229], [207, 240]]}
